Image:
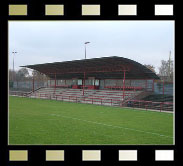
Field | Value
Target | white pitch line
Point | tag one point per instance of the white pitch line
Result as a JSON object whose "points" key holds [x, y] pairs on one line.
{"points": [[126, 128]]}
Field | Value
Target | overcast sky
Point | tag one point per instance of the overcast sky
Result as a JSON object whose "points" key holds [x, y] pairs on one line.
{"points": [[147, 42]]}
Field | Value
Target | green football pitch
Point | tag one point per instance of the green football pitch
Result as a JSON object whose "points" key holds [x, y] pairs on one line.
{"points": [[39, 121]]}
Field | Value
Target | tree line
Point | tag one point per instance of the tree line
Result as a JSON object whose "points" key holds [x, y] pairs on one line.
{"points": [[24, 75], [166, 70]]}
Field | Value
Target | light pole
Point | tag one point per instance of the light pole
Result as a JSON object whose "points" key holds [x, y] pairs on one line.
{"points": [[85, 48], [84, 71], [14, 52]]}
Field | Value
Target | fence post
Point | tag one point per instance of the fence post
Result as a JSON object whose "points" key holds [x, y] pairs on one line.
{"points": [[161, 107], [123, 85]]}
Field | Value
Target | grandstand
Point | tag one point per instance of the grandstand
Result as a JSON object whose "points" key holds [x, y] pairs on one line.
{"points": [[85, 102], [113, 81]]}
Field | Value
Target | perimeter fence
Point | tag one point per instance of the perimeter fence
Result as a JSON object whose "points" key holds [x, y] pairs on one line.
{"points": [[141, 104]]}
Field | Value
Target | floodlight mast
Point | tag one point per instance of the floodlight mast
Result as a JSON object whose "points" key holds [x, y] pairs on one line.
{"points": [[84, 72], [14, 52], [85, 48]]}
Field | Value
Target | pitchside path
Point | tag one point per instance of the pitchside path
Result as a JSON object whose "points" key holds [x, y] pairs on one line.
{"points": [[39, 121]]}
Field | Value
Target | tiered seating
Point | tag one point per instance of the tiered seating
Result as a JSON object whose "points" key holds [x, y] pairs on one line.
{"points": [[47, 92], [157, 99], [113, 96], [86, 87], [126, 87], [58, 93], [104, 97], [61, 86], [76, 86], [91, 87]]}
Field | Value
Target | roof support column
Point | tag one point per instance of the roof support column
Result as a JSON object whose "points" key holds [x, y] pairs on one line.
{"points": [[55, 85], [84, 84], [47, 81], [124, 85], [163, 87], [55, 80]]}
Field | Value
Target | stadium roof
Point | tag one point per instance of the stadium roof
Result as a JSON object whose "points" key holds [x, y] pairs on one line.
{"points": [[100, 68]]}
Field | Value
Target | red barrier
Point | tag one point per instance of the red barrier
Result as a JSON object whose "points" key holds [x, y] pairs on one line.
{"points": [[59, 86], [161, 106], [126, 87]]}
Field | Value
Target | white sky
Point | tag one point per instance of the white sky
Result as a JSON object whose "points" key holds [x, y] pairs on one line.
{"points": [[147, 42]]}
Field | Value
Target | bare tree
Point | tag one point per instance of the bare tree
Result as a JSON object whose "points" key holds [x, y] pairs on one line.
{"points": [[166, 70], [38, 76], [151, 67], [22, 74], [19, 75]]}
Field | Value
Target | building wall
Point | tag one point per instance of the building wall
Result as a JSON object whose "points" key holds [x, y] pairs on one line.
{"points": [[158, 86], [168, 88], [136, 83]]}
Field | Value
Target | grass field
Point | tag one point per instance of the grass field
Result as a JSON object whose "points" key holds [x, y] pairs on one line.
{"points": [[36, 121]]}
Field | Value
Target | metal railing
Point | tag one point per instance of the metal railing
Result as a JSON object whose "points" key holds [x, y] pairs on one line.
{"points": [[147, 105], [19, 93]]}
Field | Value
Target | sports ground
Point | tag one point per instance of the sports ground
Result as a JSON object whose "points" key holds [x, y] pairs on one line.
{"points": [[40, 121]]}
